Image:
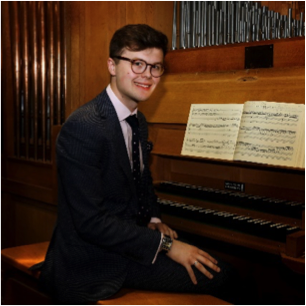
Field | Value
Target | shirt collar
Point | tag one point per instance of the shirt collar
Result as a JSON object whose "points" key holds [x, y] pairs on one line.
{"points": [[122, 111]]}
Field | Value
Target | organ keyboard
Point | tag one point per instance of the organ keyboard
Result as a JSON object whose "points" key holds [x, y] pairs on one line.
{"points": [[202, 213], [283, 207], [256, 227], [263, 223]]}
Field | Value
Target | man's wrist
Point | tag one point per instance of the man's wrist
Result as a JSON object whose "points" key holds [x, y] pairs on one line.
{"points": [[166, 243]]}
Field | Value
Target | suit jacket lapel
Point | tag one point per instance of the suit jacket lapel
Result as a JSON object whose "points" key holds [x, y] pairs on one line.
{"points": [[113, 129]]}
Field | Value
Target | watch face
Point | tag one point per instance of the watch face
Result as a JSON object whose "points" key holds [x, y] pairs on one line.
{"points": [[167, 243]]}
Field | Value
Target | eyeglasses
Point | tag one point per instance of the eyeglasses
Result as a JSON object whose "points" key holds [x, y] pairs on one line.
{"points": [[139, 66]]}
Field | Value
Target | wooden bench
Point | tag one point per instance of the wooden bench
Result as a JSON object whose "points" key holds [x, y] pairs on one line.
{"points": [[20, 285]]}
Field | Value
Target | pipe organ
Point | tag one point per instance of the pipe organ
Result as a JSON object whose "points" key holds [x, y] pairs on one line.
{"points": [[214, 23], [39, 58]]}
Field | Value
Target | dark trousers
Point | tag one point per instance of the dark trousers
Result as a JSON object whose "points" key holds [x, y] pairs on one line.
{"points": [[169, 276]]}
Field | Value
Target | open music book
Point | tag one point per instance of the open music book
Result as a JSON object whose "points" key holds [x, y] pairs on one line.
{"points": [[256, 131]]}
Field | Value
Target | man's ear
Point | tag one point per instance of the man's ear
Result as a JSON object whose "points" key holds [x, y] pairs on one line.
{"points": [[111, 66]]}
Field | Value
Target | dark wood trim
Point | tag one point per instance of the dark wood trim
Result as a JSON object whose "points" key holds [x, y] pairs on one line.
{"points": [[37, 193]]}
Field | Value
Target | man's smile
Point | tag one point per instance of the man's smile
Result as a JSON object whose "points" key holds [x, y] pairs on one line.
{"points": [[143, 85]]}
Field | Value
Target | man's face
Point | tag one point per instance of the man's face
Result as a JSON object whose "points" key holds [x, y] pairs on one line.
{"points": [[130, 87]]}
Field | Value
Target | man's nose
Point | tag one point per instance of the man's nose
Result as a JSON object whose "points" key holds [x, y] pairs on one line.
{"points": [[147, 72]]}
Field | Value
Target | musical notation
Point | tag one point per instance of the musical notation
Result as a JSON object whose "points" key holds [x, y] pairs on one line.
{"points": [[212, 130], [258, 131], [247, 149], [270, 132]]}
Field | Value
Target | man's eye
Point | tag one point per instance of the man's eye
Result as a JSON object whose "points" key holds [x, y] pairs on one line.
{"points": [[139, 63], [157, 67]]}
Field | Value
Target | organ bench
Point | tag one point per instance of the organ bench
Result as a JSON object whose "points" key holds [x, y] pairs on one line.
{"points": [[20, 285]]}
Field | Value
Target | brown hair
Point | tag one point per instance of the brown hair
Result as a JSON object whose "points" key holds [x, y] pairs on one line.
{"points": [[137, 37]]}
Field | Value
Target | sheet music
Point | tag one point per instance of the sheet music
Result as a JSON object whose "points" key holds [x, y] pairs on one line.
{"points": [[271, 133], [212, 130]]}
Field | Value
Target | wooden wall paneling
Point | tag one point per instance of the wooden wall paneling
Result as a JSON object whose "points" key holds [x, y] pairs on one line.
{"points": [[282, 6], [102, 19], [24, 219], [287, 53], [157, 14], [37, 193], [30, 173], [34, 220], [171, 101], [8, 225], [300, 5]]}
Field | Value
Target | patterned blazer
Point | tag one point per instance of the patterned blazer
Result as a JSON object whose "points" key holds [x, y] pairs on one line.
{"points": [[96, 234]]}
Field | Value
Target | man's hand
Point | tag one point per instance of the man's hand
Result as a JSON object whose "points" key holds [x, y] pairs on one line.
{"points": [[187, 255], [163, 228]]}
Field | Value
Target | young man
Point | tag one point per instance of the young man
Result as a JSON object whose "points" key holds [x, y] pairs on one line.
{"points": [[109, 233]]}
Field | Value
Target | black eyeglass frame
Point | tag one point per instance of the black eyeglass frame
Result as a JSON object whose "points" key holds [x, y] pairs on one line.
{"points": [[135, 60]]}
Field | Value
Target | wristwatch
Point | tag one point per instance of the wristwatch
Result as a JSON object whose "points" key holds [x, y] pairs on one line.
{"points": [[166, 243]]}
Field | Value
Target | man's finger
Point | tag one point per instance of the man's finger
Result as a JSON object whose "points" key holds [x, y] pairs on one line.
{"points": [[201, 268], [172, 234], [191, 274], [215, 261], [209, 263]]}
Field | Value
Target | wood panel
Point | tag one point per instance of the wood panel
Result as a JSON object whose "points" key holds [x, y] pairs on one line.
{"points": [[98, 33], [157, 14], [171, 101], [35, 221], [25, 220], [142, 297], [287, 53], [258, 180]]}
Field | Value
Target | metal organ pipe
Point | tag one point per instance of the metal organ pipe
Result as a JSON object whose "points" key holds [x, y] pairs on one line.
{"points": [[208, 23]]}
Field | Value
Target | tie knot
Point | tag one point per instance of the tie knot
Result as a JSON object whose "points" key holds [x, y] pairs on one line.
{"points": [[132, 121]]}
